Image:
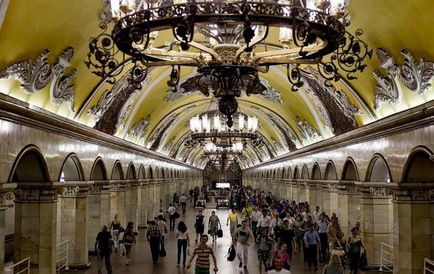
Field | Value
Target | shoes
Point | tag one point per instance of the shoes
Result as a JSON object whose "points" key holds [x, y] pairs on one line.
{"points": [[245, 267], [116, 250], [240, 265]]}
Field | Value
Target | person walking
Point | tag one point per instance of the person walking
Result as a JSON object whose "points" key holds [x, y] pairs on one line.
{"points": [[128, 240], [213, 225], [278, 267], [199, 225], [287, 237], [162, 226], [334, 266], [183, 202], [103, 247], [265, 244], [355, 246], [243, 237], [183, 241], [172, 218], [115, 228], [232, 220], [322, 232], [255, 218], [153, 234], [312, 243], [202, 252]]}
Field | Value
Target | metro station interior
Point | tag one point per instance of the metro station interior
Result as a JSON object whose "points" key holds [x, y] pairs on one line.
{"points": [[112, 106]]}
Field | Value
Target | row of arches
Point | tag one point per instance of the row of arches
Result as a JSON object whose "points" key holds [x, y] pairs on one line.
{"points": [[31, 166], [419, 160]]}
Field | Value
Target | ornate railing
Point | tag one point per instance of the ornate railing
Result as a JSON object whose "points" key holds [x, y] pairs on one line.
{"points": [[428, 266], [62, 256], [387, 257]]}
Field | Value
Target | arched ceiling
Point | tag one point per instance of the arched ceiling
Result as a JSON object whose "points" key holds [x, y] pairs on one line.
{"points": [[158, 119]]}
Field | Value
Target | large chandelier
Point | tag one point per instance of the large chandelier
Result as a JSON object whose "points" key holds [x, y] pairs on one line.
{"points": [[214, 132], [226, 42]]}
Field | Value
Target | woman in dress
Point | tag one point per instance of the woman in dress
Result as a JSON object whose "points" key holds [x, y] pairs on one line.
{"points": [[199, 225], [183, 241], [213, 225], [128, 240]]}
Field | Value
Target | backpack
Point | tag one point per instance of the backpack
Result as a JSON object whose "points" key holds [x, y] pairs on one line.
{"points": [[232, 253]]}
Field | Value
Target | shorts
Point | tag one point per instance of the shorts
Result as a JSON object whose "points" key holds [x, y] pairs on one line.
{"points": [[201, 270], [263, 255]]}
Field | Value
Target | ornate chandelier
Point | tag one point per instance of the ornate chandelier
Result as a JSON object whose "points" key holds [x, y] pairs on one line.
{"points": [[226, 42], [214, 133]]}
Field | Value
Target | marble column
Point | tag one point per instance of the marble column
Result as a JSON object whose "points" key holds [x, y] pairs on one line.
{"points": [[295, 192], [288, 191], [376, 222], [334, 206], [74, 224], [326, 199], [133, 207], [144, 204], [35, 225], [4, 196], [313, 194], [413, 226]]}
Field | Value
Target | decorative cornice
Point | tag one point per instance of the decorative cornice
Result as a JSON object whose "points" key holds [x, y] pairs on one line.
{"points": [[413, 195], [35, 75], [35, 195], [413, 74]]}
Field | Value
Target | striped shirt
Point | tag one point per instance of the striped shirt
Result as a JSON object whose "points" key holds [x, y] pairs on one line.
{"points": [[203, 254]]}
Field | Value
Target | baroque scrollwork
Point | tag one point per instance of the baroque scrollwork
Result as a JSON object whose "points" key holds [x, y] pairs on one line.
{"points": [[413, 74], [380, 191], [70, 191], [62, 88], [24, 194], [35, 75], [162, 127]]}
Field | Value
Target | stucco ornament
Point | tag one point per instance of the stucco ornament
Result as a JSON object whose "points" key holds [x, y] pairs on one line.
{"points": [[162, 127], [139, 129], [414, 74], [307, 131], [35, 75], [106, 14], [387, 88]]}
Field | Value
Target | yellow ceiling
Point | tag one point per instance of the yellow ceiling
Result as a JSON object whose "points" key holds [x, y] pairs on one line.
{"points": [[29, 27]]}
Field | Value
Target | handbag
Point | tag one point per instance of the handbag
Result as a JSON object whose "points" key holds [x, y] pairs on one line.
{"points": [[176, 215], [232, 253], [219, 233]]}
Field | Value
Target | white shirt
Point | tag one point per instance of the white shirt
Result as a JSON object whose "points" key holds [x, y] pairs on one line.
{"points": [[282, 271], [256, 215], [171, 210], [264, 221], [183, 199]]}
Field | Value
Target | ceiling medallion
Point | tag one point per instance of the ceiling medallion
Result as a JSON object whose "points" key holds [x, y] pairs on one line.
{"points": [[225, 41]]}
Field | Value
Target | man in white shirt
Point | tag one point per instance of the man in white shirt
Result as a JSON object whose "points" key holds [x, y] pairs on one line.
{"points": [[264, 222], [278, 267], [256, 215], [183, 202], [171, 210]]}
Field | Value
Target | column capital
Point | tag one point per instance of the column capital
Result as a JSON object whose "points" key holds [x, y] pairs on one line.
{"points": [[6, 196], [35, 195], [374, 190], [74, 191]]}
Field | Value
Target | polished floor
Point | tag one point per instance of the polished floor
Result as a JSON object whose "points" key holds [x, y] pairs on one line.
{"points": [[142, 262]]}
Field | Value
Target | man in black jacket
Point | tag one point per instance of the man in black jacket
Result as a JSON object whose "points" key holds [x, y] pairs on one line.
{"points": [[103, 246]]}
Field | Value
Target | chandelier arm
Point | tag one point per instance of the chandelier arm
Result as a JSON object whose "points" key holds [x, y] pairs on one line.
{"points": [[312, 48], [208, 33], [212, 52], [252, 43]]}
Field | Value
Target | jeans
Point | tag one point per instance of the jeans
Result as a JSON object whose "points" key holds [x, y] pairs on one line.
{"points": [[242, 253], [115, 235], [154, 242], [311, 251], [324, 246], [182, 247], [172, 222], [183, 207], [104, 256]]}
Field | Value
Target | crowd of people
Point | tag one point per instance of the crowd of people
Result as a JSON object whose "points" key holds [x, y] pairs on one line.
{"points": [[279, 228]]}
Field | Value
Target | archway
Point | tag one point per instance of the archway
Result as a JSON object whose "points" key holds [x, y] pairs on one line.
{"points": [[378, 170], [35, 211], [316, 172], [413, 212], [131, 172], [296, 173], [330, 173], [142, 172], [71, 169], [98, 172], [349, 172], [117, 172]]}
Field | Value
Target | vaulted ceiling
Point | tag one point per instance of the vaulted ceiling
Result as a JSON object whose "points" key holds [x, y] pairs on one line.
{"points": [[158, 119]]}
